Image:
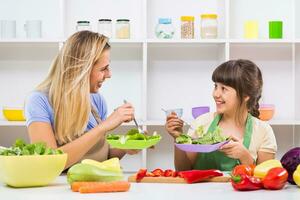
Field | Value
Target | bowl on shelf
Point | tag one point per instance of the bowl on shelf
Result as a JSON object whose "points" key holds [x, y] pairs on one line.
{"points": [[266, 111], [31, 170], [13, 113], [197, 111], [178, 111]]}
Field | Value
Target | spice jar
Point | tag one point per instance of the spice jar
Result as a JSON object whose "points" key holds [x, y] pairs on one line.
{"points": [[83, 25], [164, 29], [187, 27], [209, 26], [105, 27], [123, 29]]}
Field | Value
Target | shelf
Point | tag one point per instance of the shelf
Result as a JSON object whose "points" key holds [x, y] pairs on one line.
{"points": [[261, 41], [187, 41], [25, 40]]}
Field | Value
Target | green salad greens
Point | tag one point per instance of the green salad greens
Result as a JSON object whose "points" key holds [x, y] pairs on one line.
{"points": [[20, 148], [207, 138], [132, 134]]}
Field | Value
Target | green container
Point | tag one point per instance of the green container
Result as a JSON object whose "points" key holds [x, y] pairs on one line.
{"points": [[275, 29]]}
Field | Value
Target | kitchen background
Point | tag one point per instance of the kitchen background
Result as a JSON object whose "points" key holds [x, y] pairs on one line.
{"points": [[154, 73]]}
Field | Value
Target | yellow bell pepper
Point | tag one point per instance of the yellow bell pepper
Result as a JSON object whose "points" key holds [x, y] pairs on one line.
{"points": [[296, 175], [262, 169]]}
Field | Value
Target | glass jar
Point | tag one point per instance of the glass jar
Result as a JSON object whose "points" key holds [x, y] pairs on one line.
{"points": [[209, 26], [187, 27], [83, 25], [123, 29], [105, 27], [164, 29]]}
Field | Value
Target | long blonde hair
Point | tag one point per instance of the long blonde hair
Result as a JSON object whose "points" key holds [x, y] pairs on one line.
{"points": [[68, 83]]}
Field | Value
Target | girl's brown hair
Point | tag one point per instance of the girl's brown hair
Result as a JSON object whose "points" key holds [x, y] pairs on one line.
{"points": [[246, 78]]}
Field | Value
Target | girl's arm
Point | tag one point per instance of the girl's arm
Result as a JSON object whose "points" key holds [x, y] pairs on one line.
{"points": [[263, 156]]}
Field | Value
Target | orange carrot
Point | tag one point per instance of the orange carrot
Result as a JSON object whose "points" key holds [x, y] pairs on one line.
{"points": [[94, 187]]}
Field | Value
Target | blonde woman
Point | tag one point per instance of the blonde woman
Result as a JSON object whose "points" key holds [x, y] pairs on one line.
{"points": [[66, 111]]}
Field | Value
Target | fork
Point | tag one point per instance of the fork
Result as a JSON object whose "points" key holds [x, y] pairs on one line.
{"points": [[135, 122]]}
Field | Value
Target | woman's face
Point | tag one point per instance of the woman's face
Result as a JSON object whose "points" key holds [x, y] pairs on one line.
{"points": [[100, 72], [226, 99]]}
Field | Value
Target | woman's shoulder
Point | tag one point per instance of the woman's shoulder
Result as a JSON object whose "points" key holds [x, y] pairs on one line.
{"points": [[37, 96], [261, 128]]}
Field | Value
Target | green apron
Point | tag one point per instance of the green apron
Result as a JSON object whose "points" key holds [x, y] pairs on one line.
{"points": [[217, 159]]}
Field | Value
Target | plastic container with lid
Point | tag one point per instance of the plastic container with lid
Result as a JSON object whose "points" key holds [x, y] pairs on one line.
{"points": [[209, 26], [105, 27], [187, 27], [164, 29], [83, 25], [123, 29]]}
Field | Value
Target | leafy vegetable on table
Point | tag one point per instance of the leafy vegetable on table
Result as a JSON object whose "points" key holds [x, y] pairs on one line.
{"points": [[207, 138], [21, 148]]}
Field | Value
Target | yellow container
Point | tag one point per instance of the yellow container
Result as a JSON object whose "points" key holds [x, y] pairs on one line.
{"points": [[13, 114], [31, 170], [251, 29]]}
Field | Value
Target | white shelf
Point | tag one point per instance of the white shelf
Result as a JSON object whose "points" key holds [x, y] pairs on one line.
{"points": [[262, 41]]}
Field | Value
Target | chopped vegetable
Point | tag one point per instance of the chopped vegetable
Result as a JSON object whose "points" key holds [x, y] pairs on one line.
{"points": [[194, 176], [207, 138]]}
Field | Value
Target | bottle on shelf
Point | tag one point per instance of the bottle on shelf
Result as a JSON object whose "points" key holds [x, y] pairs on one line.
{"points": [[187, 27], [123, 29], [83, 25], [164, 29], [105, 27], [209, 26]]}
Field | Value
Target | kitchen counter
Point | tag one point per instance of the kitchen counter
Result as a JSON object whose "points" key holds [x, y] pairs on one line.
{"points": [[138, 191]]}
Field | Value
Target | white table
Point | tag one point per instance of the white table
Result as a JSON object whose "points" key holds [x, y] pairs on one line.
{"points": [[143, 191]]}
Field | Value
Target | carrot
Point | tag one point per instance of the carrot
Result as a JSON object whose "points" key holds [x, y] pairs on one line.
{"points": [[94, 187]]}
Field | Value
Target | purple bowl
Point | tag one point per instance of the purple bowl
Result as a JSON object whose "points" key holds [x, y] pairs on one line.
{"points": [[204, 148], [197, 111]]}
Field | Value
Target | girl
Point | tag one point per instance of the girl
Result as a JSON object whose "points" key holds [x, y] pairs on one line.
{"points": [[237, 90]]}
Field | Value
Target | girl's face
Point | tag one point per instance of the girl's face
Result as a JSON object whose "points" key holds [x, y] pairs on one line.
{"points": [[100, 72], [226, 99]]}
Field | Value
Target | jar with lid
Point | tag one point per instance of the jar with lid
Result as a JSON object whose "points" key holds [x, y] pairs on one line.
{"points": [[209, 26], [164, 29], [83, 25], [123, 29], [105, 27], [187, 27]]}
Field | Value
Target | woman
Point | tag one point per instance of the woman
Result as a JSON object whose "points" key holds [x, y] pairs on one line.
{"points": [[66, 112], [238, 87]]}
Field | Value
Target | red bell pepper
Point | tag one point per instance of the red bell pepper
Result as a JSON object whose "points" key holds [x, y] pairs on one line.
{"points": [[158, 172], [193, 176], [245, 182], [141, 174], [275, 179], [242, 169]]}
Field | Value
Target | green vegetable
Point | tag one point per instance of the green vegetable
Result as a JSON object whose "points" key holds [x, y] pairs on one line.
{"points": [[21, 148], [132, 134], [87, 172], [207, 138]]}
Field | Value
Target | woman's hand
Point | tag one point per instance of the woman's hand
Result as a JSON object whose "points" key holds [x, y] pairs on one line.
{"points": [[236, 150], [174, 125], [124, 113]]}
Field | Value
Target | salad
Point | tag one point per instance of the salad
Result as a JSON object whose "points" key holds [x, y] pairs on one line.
{"points": [[207, 138], [20, 148]]}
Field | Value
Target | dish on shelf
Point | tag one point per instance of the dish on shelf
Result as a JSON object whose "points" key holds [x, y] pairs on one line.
{"points": [[203, 148], [266, 112], [13, 113], [197, 111]]}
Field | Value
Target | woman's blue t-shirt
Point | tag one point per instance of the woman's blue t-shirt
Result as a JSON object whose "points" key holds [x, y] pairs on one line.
{"points": [[38, 109]]}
